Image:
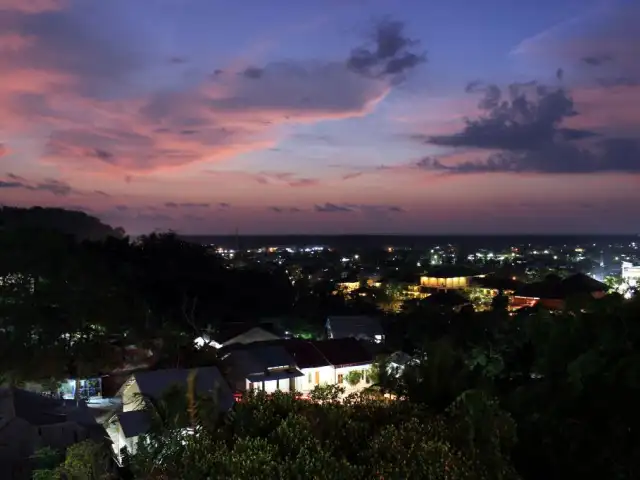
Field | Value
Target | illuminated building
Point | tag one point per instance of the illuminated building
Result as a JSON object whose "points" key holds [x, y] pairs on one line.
{"points": [[448, 277], [630, 273]]}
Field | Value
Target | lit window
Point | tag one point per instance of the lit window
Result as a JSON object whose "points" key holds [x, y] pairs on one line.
{"points": [[309, 377], [340, 379]]}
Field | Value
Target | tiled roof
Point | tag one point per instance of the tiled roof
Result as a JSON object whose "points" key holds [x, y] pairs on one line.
{"points": [[343, 351]]}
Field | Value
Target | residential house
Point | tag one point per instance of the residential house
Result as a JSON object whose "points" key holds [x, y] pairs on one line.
{"points": [[260, 366], [362, 327], [553, 293], [347, 355], [126, 427], [316, 369], [307, 363], [29, 421]]}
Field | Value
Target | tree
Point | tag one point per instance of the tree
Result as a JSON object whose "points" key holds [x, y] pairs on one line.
{"points": [[354, 377], [361, 437]]}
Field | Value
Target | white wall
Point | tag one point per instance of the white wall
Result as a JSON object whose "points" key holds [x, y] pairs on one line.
{"points": [[131, 399], [270, 386], [345, 370], [307, 382]]}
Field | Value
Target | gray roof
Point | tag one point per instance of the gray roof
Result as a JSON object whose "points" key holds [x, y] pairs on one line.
{"points": [[134, 423], [156, 383], [39, 410], [271, 356], [354, 326]]}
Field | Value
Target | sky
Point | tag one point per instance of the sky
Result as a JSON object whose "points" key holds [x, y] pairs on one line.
{"points": [[332, 117]]}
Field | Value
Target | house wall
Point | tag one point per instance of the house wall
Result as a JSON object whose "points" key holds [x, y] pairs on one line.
{"points": [[269, 386], [131, 397], [345, 370], [306, 383]]}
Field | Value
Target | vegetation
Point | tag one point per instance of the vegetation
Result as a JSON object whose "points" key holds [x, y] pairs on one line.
{"points": [[489, 394]]}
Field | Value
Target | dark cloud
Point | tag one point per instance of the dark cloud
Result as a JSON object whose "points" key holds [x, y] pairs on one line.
{"points": [[304, 182], [285, 209], [350, 207], [288, 178], [526, 130], [101, 154], [178, 60], [528, 119], [186, 205], [13, 176], [390, 54], [349, 176], [56, 187], [11, 184], [122, 208], [332, 208], [253, 72], [609, 155], [597, 60], [224, 205]]}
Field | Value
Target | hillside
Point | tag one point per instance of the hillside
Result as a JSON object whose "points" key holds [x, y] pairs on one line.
{"points": [[71, 222]]}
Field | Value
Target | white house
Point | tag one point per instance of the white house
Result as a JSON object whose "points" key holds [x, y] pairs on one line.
{"points": [[300, 365], [261, 366], [316, 369], [126, 427], [347, 355], [631, 273]]}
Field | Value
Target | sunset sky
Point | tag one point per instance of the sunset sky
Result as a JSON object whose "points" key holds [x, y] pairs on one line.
{"points": [[326, 116]]}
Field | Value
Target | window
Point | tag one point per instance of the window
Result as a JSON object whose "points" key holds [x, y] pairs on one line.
{"points": [[309, 377], [317, 378], [340, 379]]}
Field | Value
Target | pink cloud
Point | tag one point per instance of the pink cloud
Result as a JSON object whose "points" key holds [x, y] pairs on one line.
{"points": [[87, 118], [612, 109], [32, 6], [13, 42], [209, 123], [213, 121]]}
